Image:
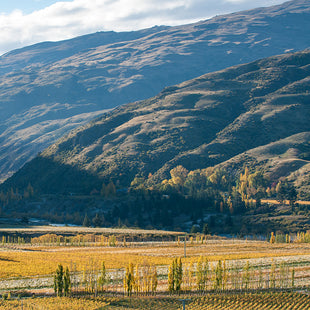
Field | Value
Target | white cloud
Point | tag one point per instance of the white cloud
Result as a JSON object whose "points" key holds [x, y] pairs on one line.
{"points": [[64, 20]]}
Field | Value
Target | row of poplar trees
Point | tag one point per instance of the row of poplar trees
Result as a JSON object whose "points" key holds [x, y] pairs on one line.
{"points": [[140, 279], [202, 277], [62, 281]]}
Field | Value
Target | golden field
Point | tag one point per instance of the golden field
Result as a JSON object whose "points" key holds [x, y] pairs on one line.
{"points": [[28, 260]]}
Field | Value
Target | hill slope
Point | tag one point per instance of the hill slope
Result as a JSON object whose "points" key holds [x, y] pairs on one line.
{"points": [[199, 123], [49, 88]]}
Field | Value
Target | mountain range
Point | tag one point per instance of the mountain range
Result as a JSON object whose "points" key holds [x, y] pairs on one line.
{"points": [[254, 114], [50, 88]]}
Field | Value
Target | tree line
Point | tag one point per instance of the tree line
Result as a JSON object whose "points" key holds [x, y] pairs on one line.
{"points": [[203, 277]]}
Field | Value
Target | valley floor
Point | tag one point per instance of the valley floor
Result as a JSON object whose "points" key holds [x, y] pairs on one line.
{"points": [[217, 273]]}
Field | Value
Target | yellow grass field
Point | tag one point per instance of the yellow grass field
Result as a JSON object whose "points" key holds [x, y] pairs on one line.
{"points": [[27, 260], [85, 230]]}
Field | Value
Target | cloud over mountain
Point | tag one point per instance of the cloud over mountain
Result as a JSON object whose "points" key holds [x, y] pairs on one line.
{"points": [[64, 20]]}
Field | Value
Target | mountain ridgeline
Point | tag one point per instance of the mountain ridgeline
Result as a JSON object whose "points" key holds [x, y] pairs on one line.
{"points": [[50, 88], [250, 114]]}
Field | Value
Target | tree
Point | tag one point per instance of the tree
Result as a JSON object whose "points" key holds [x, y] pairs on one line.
{"points": [[175, 275], [293, 277], [171, 277], [272, 238], [129, 279], [110, 190], [195, 182], [195, 229], [29, 192], [205, 229], [103, 190], [154, 281], [178, 177], [59, 281], [286, 191], [138, 182], [97, 220], [272, 276], [188, 277], [199, 274], [67, 282], [178, 275], [291, 194], [218, 281], [225, 275], [86, 221], [246, 275], [137, 285], [103, 277]]}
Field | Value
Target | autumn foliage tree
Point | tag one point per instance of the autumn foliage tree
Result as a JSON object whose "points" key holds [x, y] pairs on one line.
{"points": [[175, 275], [59, 281], [129, 279]]}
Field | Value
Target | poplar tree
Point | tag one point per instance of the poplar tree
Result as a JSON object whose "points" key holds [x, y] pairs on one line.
{"points": [[171, 272], [137, 282], [202, 273], [293, 277], [260, 277], [273, 275], [59, 281], [103, 277], [67, 282], [246, 275], [282, 274], [154, 280], [190, 275], [218, 276], [225, 275], [175, 276], [129, 279], [178, 275], [206, 271], [199, 274]]}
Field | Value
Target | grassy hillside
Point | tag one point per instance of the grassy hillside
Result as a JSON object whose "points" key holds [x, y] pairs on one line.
{"points": [[52, 87], [289, 158], [258, 112]]}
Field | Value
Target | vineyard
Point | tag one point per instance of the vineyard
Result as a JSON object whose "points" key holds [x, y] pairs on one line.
{"points": [[111, 271], [249, 301]]}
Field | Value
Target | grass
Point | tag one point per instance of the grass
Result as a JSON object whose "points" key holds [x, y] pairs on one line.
{"points": [[80, 230]]}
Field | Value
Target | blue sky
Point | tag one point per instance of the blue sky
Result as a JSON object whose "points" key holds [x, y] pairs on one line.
{"points": [[25, 22], [27, 6]]}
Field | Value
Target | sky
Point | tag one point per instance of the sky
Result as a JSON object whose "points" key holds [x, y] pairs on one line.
{"points": [[25, 22]]}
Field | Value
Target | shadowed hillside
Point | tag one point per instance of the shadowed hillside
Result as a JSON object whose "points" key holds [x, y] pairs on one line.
{"points": [[253, 109]]}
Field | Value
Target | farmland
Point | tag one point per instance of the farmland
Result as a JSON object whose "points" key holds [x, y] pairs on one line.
{"points": [[275, 301], [216, 271]]}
